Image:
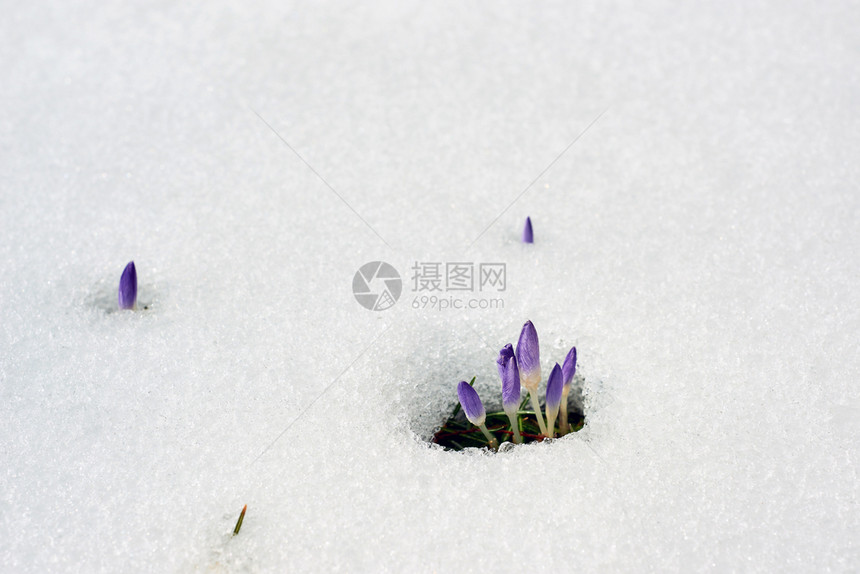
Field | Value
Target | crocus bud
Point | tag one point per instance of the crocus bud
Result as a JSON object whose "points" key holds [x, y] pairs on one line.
{"points": [[502, 361], [474, 410], [528, 357], [128, 287], [471, 402], [528, 234], [511, 390], [553, 397], [568, 369], [511, 386], [528, 361], [567, 372]]}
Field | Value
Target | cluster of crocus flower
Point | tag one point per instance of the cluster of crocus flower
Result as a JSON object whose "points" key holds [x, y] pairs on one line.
{"points": [[521, 368]]}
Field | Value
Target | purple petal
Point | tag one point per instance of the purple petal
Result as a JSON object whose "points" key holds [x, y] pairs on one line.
{"points": [[528, 355], [528, 234], [128, 287], [568, 369], [502, 361], [511, 390], [471, 402], [553, 389]]}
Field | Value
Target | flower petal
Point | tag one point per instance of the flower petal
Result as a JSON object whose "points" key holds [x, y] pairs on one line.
{"points": [[471, 402], [128, 287]]}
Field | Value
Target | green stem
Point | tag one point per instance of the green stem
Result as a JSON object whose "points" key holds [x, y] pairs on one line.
{"points": [[494, 444], [550, 423], [521, 412], [239, 522], [515, 427], [538, 415], [563, 425]]}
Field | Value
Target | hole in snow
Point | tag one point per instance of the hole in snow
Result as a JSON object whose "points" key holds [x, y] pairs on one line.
{"points": [[457, 433], [103, 296]]}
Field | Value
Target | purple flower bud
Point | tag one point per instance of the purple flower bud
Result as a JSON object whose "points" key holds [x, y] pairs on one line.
{"points": [[568, 369], [553, 391], [528, 235], [511, 385], [528, 357], [471, 402], [502, 361], [128, 287]]}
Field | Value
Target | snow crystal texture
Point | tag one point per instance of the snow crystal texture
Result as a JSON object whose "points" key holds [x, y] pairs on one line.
{"points": [[697, 243]]}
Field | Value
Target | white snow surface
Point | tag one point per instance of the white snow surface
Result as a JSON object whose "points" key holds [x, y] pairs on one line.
{"points": [[699, 244]]}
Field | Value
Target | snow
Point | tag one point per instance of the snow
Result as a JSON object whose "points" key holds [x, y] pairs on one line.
{"points": [[697, 244]]}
